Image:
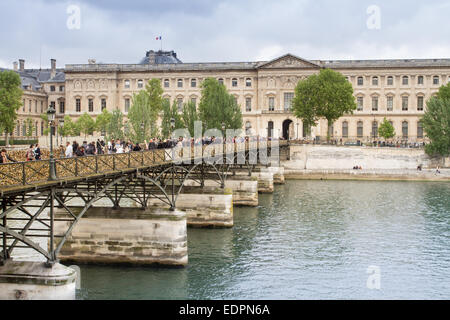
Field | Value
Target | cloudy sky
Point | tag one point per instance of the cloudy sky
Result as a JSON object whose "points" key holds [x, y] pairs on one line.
{"points": [[119, 31]]}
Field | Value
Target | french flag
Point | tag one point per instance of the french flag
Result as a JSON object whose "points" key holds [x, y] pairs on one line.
{"points": [[159, 38]]}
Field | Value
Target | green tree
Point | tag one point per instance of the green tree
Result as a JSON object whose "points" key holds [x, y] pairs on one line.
{"points": [[86, 124], [169, 113], [386, 130], [69, 128], [436, 123], [115, 127], [189, 116], [102, 121], [44, 117], [144, 111], [10, 101], [325, 95], [29, 127], [217, 106], [444, 92]]}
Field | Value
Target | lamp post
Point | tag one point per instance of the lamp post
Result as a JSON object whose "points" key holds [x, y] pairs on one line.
{"points": [[297, 130], [51, 118]]}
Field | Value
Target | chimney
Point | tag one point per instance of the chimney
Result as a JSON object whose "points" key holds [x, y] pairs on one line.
{"points": [[21, 65], [15, 66], [53, 71]]}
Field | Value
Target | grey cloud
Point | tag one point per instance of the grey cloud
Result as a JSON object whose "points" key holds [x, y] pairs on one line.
{"points": [[121, 31]]}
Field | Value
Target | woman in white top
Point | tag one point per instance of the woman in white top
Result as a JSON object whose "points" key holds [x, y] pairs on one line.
{"points": [[120, 149]]}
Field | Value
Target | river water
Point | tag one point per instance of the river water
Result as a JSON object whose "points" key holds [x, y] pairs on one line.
{"points": [[309, 240]]}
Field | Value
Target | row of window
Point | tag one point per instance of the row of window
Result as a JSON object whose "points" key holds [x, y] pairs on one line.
{"points": [[390, 103], [404, 80], [30, 105], [78, 107], [24, 129], [53, 89], [374, 130], [193, 82]]}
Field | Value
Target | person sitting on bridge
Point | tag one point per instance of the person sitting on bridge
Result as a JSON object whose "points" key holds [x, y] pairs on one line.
{"points": [[4, 158]]}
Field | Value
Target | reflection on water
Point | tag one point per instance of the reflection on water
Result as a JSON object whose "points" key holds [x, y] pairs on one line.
{"points": [[309, 240]]}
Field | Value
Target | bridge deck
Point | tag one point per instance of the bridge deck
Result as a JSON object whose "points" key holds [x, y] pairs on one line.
{"points": [[34, 175]]}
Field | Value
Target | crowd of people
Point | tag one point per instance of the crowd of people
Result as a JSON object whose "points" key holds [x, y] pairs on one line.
{"points": [[99, 147], [120, 146]]}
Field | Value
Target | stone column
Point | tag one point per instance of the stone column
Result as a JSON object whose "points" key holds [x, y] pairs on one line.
{"points": [[278, 174], [20, 280], [245, 192], [130, 236], [205, 210]]}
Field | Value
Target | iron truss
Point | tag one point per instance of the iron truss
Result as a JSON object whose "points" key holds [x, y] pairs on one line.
{"points": [[29, 201]]}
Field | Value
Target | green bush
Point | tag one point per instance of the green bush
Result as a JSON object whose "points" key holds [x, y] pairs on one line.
{"points": [[18, 142]]}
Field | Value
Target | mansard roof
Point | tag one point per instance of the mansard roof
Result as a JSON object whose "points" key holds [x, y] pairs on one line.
{"points": [[162, 61]]}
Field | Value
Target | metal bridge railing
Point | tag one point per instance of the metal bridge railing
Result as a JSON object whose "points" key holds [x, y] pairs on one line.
{"points": [[35, 172]]}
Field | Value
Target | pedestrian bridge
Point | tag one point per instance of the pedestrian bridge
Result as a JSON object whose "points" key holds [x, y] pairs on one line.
{"points": [[29, 189]]}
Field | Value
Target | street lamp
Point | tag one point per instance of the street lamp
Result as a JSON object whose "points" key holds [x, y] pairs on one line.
{"points": [[51, 118], [172, 125]]}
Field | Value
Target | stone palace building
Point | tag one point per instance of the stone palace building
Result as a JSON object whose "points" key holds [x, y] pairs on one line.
{"points": [[395, 89]]}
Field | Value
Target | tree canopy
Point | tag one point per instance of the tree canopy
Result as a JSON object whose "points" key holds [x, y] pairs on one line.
{"points": [[10, 100], [115, 127], [217, 106], [436, 123], [325, 95], [144, 111], [86, 124], [189, 116], [386, 130], [102, 121], [170, 112]]}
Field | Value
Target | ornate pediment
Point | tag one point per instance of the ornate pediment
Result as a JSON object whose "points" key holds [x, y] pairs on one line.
{"points": [[288, 61]]}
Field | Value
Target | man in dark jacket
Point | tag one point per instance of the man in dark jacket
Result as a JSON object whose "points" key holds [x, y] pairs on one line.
{"points": [[37, 152]]}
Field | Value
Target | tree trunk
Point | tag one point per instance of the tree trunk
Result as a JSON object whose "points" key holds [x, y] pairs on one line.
{"points": [[6, 139], [329, 124]]}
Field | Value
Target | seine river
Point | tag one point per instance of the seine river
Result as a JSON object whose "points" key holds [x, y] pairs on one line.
{"points": [[309, 240]]}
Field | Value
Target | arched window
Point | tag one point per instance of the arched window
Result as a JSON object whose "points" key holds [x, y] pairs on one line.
{"points": [[180, 83], [345, 129], [374, 129], [166, 83], [420, 80], [436, 80], [220, 80], [390, 81], [375, 81], [248, 82], [234, 82], [360, 103], [360, 129], [193, 83], [140, 84], [375, 103], [405, 80], [419, 130], [405, 129], [360, 81], [127, 84], [270, 129]]}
